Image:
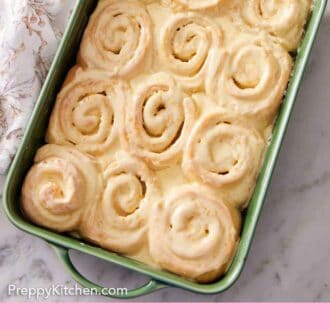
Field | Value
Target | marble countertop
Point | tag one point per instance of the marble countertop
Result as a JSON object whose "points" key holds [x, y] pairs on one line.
{"points": [[289, 259]]}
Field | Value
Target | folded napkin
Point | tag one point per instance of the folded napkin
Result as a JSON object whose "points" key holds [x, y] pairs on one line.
{"points": [[30, 31]]}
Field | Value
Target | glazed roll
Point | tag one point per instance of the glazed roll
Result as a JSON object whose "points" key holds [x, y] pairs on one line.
{"points": [[117, 38], [60, 188], [194, 234], [194, 4], [283, 20], [251, 78], [119, 222], [88, 111], [159, 121], [225, 154], [187, 42]]}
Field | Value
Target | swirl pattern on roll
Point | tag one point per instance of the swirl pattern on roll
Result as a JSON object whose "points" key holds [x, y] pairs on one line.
{"points": [[194, 234], [159, 120], [159, 131], [225, 154], [283, 20], [88, 111], [120, 221], [60, 187], [117, 38], [252, 78], [187, 42]]}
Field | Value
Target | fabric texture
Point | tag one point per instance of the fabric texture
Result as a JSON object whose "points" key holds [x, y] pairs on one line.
{"points": [[30, 32]]}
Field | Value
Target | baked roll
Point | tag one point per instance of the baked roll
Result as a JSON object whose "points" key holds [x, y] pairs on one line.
{"points": [[283, 20], [225, 154], [60, 188], [194, 234], [117, 38], [194, 4], [159, 120], [251, 78], [186, 45], [88, 111], [120, 218], [158, 134]]}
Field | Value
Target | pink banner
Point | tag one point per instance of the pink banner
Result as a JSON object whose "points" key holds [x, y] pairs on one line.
{"points": [[164, 316]]}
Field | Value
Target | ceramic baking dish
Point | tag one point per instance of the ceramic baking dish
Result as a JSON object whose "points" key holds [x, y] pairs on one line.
{"points": [[34, 138]]}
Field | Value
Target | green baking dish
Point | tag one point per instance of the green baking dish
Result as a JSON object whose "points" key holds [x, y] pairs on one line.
{"points": [[34, 138]]}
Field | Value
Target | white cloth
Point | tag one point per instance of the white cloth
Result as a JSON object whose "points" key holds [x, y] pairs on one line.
{"points": [[30, 31]]}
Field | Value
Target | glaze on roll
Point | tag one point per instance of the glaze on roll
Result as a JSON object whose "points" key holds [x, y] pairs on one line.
{"points": [[251, 78], [194, 234], [159, 120], [187, 43], [88, 112], [120, 218], [225, 154], [283, 20], [194, 4], [117, 38], [60, 188], [159, 132]]}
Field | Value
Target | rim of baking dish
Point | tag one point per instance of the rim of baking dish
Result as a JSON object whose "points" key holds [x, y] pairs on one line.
{"points": [[16, 174]]}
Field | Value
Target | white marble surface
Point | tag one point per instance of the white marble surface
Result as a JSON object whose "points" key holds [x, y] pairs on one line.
{"points": [[289, 260]]}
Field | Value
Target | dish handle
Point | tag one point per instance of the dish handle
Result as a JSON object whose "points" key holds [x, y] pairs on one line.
{"points": [[148, 288]]}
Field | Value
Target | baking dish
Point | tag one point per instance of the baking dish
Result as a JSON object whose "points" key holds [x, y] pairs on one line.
{"points": [[34, 138]]}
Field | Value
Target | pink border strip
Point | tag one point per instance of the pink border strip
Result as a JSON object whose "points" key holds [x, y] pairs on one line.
{"points": [[164, 316]]}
